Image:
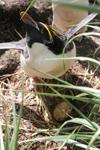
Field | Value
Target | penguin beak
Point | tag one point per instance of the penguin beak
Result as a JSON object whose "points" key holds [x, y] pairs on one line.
{"points": [[28, 20]]}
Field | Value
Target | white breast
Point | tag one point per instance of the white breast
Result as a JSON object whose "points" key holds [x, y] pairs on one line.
{"points": [[63, 17], [37, 56]]}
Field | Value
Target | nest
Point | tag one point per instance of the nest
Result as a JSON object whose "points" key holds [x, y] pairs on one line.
{"points": [[56, 108]]}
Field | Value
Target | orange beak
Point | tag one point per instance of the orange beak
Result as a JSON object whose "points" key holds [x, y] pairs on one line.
{"points": [[28, 20]]}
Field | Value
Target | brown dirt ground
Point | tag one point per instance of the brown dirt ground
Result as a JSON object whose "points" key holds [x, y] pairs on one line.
{"points": [[82, 73]]}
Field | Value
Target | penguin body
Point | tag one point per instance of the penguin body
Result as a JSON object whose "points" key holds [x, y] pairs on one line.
{"points": [[64, 17], [37, 55], [45, 42]]}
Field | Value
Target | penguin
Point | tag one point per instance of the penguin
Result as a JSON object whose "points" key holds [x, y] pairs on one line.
{"points": [[65, 17], [45, 42]]}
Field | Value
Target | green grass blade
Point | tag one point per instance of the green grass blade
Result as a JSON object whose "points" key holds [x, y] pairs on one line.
{"points": [[81, 121], [62, 139], [14, 117], [1, 138], [6, 133], [66, 140], [93, 139], [30, 5], [77, 58], [73, 4], [88, 100], [87, 90], [95, 112], [13, 104], [15, 141], [96, 51]]}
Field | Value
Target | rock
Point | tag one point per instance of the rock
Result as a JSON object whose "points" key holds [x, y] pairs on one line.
{"points": [[62, 111], [9, 62]]}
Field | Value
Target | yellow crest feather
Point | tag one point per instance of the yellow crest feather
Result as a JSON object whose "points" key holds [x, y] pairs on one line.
{"points": [[50, 35], [53, 30]]}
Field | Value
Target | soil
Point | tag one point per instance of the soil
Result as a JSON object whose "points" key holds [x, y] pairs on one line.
{"points": [[81, 73]]}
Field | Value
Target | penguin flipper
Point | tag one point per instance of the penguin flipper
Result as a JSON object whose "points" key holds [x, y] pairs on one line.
{"points": [[12, 45], [76, 28]]}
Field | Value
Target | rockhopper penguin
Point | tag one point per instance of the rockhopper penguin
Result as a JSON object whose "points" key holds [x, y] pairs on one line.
{"points": [[45, 42]]}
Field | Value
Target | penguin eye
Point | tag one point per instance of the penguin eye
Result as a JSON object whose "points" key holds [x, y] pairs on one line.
{"points": [[42, 31]]}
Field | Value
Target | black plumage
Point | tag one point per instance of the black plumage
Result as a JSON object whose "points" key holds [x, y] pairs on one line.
{"points": [[42, 36]]}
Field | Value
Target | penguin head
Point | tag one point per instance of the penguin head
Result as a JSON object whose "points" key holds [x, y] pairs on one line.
{"points": [[38, 32], [35, 31]]}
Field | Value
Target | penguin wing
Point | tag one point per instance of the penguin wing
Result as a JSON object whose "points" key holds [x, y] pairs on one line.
{"points": [[76, 28], [12, 45]]}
